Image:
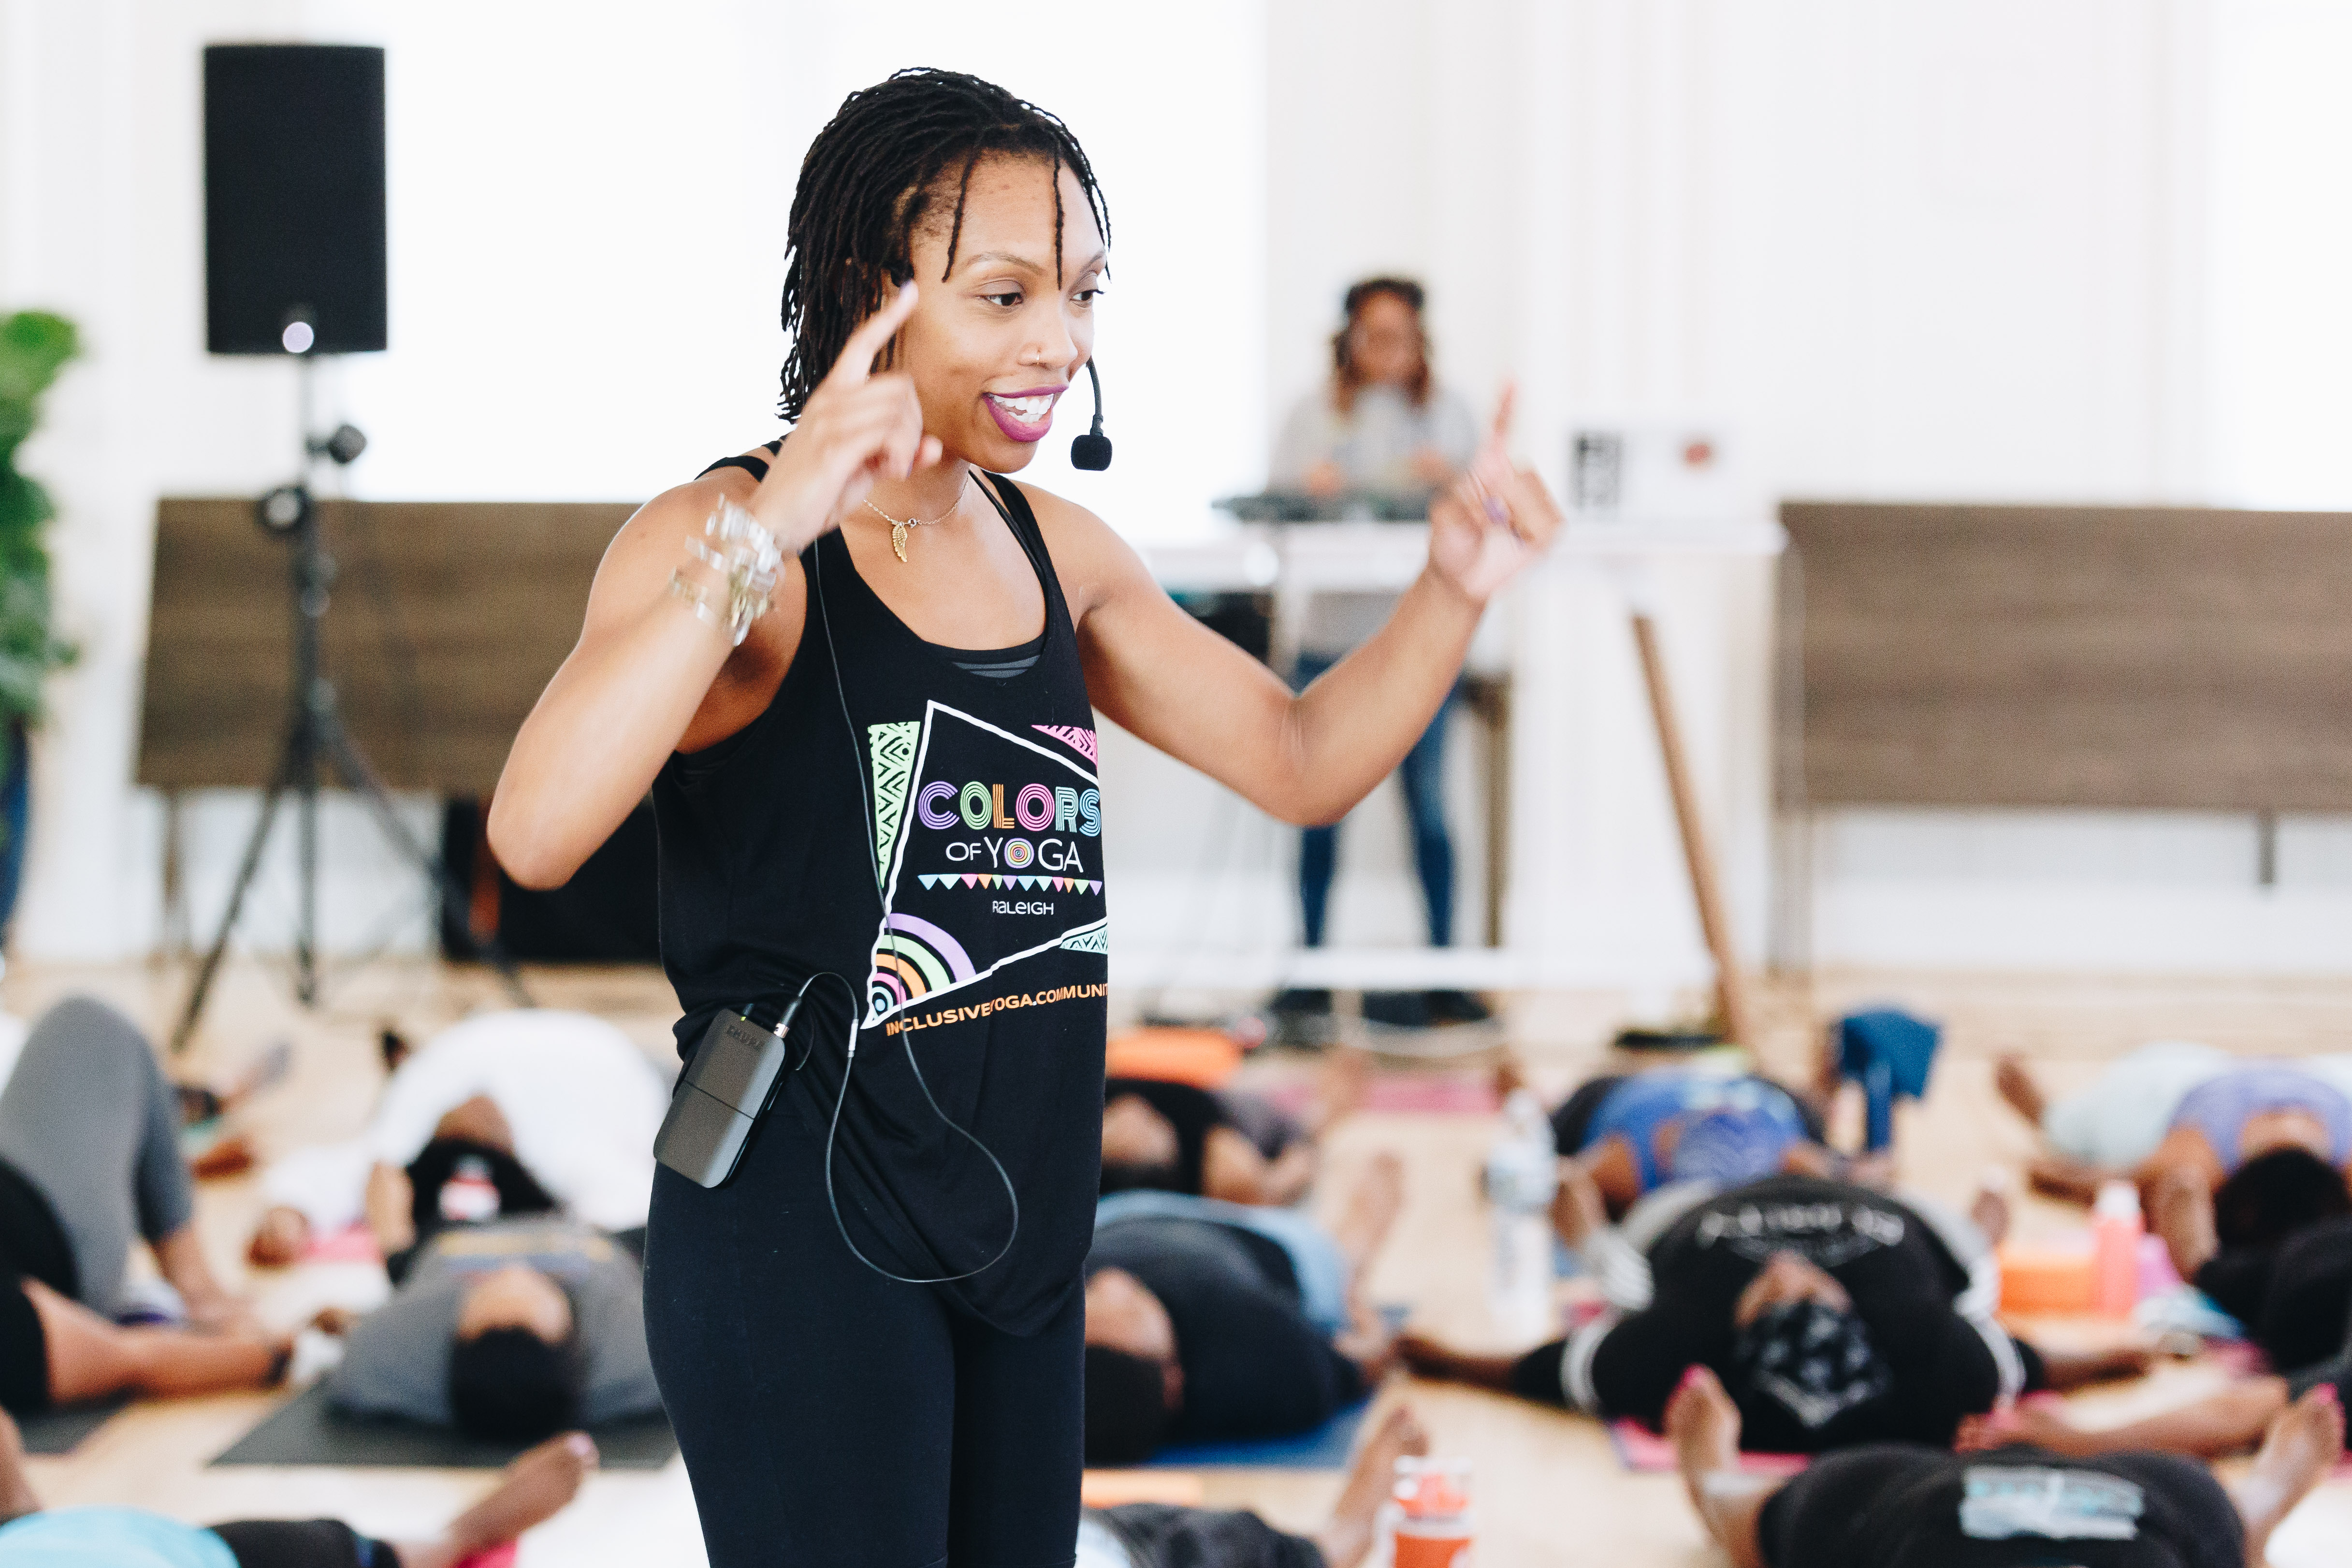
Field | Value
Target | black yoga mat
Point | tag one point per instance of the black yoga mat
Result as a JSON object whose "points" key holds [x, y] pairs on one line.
{"points": [[307, 1430], [61, 1430]]}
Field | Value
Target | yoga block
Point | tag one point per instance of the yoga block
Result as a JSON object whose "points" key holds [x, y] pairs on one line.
{"points": [[2046, 1279]]}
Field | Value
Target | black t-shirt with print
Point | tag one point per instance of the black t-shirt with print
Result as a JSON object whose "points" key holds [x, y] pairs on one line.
{"points": [[1897, 1505], [1901, 1275]]}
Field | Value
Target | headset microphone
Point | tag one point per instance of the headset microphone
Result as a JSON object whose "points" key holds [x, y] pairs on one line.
{"points": [[1092, 450]]}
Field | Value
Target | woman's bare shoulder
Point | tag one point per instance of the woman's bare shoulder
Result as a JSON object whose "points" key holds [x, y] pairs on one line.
{"points": [[1090, 557]]}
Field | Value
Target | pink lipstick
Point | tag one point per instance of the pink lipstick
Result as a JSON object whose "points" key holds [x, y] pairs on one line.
{"points": [[1024, 415]]}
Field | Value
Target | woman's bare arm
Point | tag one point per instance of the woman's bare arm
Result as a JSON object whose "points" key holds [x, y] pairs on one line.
{"points": [[647, 677], [1307, 758]]}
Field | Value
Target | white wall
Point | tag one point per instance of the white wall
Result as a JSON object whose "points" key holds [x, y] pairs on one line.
{"points": [[586, 215], [1995, 250], [2085, 251]]}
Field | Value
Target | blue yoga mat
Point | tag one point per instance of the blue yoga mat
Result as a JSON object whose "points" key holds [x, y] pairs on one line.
{"points": [[1326, 1447]]}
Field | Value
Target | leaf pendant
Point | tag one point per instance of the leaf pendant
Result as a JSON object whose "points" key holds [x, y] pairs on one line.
{"points": [[898, 540]]}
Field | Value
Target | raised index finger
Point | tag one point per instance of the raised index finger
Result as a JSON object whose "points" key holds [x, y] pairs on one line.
{"points": [[856, 361]]}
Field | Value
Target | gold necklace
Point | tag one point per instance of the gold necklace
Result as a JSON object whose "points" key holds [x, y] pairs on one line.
{"points": [[898, 526]]}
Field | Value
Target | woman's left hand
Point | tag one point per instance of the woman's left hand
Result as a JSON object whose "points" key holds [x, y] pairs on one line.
{"points": [[1492, 520]]}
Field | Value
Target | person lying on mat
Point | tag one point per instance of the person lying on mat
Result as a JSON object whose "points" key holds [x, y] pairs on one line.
{"points": [[508, 1329], [1209, 1320], [2292, 1289], [1636, 1132], [1157, 1535], [1835, 1314], [2176, 1107], [565, 1097], [534, 1488], [1220, 1143], [1899, 1505], [90, 1165]]}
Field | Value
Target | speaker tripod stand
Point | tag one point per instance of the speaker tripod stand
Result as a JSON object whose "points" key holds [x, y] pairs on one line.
{"points": [[316, 745]]}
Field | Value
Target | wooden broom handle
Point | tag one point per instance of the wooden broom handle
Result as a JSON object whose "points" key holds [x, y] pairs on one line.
{"points": [[1730, 983]]}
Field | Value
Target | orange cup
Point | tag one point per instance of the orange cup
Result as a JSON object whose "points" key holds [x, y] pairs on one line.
{"points": [[1432, 1543]]}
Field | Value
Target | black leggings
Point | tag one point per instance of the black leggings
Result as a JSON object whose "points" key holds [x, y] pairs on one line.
{"points": [[828, 1415], [303, 1543]]}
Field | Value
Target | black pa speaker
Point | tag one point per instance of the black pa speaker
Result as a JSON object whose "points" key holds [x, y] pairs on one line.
{"points": [[293, 199]]}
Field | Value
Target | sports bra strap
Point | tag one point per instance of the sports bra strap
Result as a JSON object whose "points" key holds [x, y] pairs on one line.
{"points": [[752, 466]]}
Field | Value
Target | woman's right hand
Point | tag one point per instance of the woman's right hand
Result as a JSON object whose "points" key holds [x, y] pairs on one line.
{"points": [[857, 426]]}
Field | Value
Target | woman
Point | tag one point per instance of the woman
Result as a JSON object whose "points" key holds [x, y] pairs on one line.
{"points": [[2273, 1248], [1208, 1321], [1900, 1505], [89, 1165], [2175, 1109], [1381, 424], [869, 1337], [1836, 1313], [1636, 1132], [533, 1489]]}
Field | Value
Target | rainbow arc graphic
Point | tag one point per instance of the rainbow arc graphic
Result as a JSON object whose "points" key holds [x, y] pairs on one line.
{"points": [[915, 959]]}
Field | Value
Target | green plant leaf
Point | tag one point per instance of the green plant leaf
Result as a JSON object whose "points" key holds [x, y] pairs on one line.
{"points": [[35, 345]]}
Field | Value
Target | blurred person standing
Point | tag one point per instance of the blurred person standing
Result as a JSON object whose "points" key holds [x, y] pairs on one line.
{"points": [[1380, 422]]}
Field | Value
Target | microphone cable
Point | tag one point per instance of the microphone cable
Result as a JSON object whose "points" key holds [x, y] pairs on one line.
{"points": [[857, 1006]]}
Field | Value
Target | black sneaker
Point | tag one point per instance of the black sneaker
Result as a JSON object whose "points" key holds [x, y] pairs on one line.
{"points": [[1457, 1007], [1398, 1009]]}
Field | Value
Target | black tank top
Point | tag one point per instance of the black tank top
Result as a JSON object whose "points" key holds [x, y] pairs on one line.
{"points": [[992, 966]]}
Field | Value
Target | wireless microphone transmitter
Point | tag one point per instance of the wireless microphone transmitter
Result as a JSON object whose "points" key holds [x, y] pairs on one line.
{"points": [[721, 1096]]}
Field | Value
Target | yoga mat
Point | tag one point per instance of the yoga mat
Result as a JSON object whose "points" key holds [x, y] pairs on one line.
{"points": [[1327, 1447], [62, 1431], [353, 1243], [307, 1430], [1409, 1093], [1645, 1452]]}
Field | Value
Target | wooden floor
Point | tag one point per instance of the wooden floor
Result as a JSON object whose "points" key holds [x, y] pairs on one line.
{"points": [[1549, 1491]]}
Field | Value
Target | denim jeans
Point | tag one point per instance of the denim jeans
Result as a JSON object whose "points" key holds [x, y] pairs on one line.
{"points": [[1422, 773]]}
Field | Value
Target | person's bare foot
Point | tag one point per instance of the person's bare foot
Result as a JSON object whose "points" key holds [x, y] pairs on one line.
{"points": [[1348, 1537], [533, 1490], [17, 1495], [1373, 1205], [1578, 1210], [2303, 1443], [2017, 1087], [279, 1238], [1703, 1426]]}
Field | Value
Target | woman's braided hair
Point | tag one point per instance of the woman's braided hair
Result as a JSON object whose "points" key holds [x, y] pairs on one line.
{"points": [[873, 177]]}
